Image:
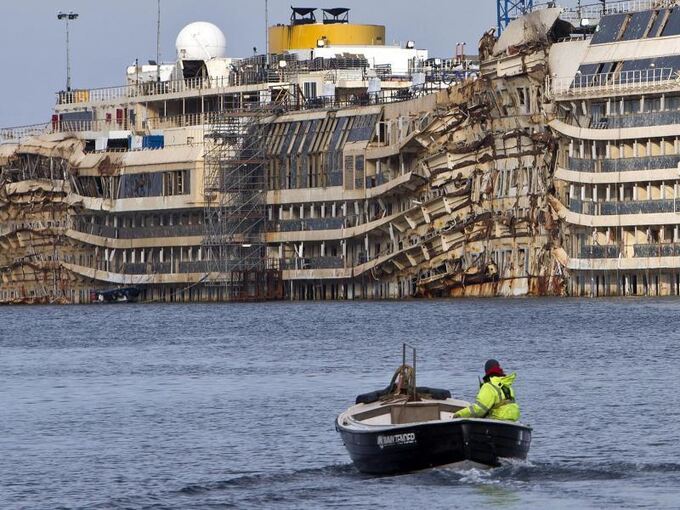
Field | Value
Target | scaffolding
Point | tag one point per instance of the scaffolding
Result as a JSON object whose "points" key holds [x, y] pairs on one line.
{"points": [[235, 211]]}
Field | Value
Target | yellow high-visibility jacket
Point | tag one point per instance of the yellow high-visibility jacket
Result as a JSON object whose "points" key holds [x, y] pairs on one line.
{"points": [[496, 399]]}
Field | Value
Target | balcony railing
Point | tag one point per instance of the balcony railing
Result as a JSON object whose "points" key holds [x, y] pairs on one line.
{"points": [[646, 119], [611, 83], [146, 268], [624, 164], [657, 250], [308, 224], [138, 232], [149, 89], [15, 134], [627, 207], [313, 263], [613, 251], [117, 94], [594, 11], [609, 251]]}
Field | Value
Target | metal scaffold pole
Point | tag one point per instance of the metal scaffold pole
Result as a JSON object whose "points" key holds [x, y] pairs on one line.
{"points": [[235, 211]]}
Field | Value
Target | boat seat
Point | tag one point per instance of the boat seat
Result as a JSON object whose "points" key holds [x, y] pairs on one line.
{"points": [[414, 413]]}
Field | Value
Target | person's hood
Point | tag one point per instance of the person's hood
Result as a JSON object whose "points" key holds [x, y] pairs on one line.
{"points": [[505, 380]]}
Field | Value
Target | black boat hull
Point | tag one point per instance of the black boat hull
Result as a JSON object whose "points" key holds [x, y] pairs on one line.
{"points": [[420, 446]]}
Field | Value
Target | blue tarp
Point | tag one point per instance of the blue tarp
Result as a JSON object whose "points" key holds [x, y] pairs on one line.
{"points": [[153, 142]]}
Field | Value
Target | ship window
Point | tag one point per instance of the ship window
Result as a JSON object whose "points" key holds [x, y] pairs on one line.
{"points": [[605, 68], [631, 106], [359, 172], [598, 109], [669, 62], [659, 23], [672, 103], [652, 104], [637, 26], [637, 65], [673, 24], [310, 89], [584, 75], [349, 172], [609, 29]]}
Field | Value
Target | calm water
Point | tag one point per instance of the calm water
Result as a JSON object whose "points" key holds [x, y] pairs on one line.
{"points": [[232, 406]]}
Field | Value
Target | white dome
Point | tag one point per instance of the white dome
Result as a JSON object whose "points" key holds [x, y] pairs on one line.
{"points": [[200, 41]]}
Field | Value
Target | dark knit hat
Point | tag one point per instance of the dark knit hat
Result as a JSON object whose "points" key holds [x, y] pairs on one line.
{"points": [[492, 367]]}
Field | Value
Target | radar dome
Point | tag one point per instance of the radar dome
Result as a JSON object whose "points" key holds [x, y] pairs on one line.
{"points": [[200, 41]]}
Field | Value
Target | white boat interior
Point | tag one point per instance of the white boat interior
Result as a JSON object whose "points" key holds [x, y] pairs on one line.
{"points": [[400, 411]]}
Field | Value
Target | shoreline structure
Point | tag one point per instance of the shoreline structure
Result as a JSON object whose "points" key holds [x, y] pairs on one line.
{"points": [[339, 167]]}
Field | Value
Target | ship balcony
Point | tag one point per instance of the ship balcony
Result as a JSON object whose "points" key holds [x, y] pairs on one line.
{"points": [[627, 257], [629, 207], [242, 82], [607, 251], [632, 120], [138, 232], [610, 165], [300, 225], [151, 90], [584, 86], [593, 11], [305, 263]]}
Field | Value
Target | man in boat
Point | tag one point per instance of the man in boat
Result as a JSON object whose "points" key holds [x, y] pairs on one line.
{"points": [[496, 398]]}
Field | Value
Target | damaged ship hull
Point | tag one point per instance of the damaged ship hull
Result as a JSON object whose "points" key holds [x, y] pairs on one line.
{"points": [[505, 183]]}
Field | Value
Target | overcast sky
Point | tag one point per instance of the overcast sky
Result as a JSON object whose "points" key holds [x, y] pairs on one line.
{"points": [[109, 35]]}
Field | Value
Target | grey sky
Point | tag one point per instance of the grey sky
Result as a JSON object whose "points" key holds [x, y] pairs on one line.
{"points": [[110, 34]]}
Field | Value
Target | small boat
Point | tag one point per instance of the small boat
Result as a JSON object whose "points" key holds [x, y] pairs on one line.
{"points": [[120, 295], [407, 428]]}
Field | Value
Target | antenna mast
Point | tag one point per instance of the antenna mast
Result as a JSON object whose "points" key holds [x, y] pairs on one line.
{"points": [[158, 44], [266, 31]]}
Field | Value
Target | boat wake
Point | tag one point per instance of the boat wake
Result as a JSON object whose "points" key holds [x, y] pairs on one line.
{"points": [[516, 471], [268, 479], [511, 472]]}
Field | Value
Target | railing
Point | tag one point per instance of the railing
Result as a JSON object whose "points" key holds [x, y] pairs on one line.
{"points": [[657, 250], [624, 164], [199, 119], [646, 119], [138, 232], [307, 224], [594, 11], [625, 207], [313, 263], [146, 268], [107, 94], [614, 82], [613, 251], [16, 134], [196, 266], [575, 37], [609, 251], [245, 77]]}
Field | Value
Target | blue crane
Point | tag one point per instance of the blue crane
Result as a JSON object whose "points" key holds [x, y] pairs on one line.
{"points": [[510, 9]]}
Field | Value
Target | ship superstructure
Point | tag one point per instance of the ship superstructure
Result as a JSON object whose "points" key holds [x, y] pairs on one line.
{"points": [[338, 167], [617, 101]]}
